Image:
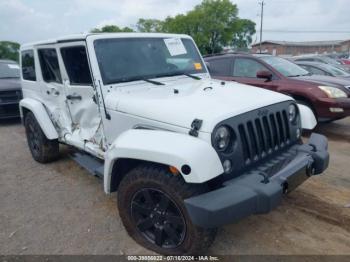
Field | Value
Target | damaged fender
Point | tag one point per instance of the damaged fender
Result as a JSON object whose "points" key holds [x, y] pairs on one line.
{"points": [[308, 119], [166, 148], [41, 116]]}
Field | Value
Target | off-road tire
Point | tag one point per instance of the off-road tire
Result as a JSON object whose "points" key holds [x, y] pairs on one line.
{"points": [[42, 149], [196, 240]]}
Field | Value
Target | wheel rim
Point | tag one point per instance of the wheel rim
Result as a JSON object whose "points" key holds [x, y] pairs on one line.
{"points": [[158, 218], [34, 140]]}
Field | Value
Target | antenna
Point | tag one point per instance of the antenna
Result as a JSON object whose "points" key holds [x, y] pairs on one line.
{"points": [[261, 21]]}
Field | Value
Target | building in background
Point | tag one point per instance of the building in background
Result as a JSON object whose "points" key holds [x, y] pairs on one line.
{"points": [[299, 48]]}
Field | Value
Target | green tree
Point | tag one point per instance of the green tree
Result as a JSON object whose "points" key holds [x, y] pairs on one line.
{"points": [[149, 25], [213, 24], [9, 50], [242, 37], [111, 29]]}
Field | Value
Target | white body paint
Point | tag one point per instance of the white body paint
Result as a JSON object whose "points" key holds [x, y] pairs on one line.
{"points": [[136, 104], [308, 119]]}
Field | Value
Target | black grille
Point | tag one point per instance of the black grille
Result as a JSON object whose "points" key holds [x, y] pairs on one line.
{"points": [[10, 96], [257, 136], [264, 135]]}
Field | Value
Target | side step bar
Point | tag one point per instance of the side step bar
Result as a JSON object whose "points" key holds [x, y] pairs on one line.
{"points": [[92, 164]]}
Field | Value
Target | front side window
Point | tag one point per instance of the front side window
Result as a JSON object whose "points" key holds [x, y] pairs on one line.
{"points": [[76, 63], [28, 65], [130, 59], [284, 66], [244, 67], [49, 65]]}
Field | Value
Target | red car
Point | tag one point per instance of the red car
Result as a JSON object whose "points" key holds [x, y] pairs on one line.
{"points": [[328, 97]]}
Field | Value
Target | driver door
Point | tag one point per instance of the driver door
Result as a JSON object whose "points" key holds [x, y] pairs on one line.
{"points": [[79, 91]]}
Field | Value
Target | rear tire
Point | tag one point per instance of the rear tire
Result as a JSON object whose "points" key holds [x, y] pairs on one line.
{"points": [[42, 149], [151, 206]]}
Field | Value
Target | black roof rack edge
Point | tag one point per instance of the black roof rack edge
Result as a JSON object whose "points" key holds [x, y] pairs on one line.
{"points": [[227, 53]]}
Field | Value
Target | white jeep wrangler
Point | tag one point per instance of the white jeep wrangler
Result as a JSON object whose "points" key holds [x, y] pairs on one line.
{"points": [[186, 153]]}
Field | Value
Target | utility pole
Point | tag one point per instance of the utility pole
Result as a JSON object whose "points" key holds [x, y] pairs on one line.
{"points": [[261, 21]]}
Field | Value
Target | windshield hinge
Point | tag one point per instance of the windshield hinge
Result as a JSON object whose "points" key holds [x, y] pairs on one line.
{"points": [[195, 126]]}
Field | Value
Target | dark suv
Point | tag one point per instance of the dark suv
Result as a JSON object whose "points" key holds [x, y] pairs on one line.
{"points": [[10, 89], [328, 97]]}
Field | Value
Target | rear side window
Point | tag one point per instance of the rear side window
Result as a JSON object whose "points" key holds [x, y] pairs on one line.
{"points": [[76, 63], [244, 67], [28, 66], [49, 65], [220, 67]]}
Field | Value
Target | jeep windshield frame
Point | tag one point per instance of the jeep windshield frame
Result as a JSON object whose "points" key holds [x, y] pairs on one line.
{"points": [[129, 59]]}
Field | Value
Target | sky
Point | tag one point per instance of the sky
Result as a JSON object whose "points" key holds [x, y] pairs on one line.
{"points": [[286, 20]]}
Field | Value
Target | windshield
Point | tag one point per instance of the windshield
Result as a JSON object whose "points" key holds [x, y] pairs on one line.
{"points": [[331, 61], [9, 70], [335, 70], [284, 66], [130, 59]]}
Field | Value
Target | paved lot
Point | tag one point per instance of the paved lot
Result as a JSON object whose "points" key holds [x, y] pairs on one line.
{"points": [[59, 209]]}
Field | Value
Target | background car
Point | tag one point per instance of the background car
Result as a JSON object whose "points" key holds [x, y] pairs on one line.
{"points": [[316, 68], [10, 89], [324, 60], [328, 97]]}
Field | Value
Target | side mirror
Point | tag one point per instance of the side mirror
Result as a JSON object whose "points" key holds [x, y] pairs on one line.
{"points": [[264, 75]]}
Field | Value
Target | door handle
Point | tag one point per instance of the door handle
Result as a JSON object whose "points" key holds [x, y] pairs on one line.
{"points": [[74, 97]]}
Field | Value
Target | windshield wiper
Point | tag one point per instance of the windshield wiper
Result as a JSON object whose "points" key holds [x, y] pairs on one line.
{"points": [[152, 82], [179, 74], [125, 80], [309, 74], [192, 76]]}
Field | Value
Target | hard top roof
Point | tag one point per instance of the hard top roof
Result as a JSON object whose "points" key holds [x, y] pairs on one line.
{"points": [[7, 61], [82, 37]]}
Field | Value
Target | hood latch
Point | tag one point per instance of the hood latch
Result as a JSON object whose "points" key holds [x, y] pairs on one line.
{"points": [[195, 126]]}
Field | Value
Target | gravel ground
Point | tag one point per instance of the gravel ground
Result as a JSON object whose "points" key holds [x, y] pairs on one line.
{"points": [[59, 209]]}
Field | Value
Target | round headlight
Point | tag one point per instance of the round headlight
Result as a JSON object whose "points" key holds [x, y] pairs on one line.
{"points": [[292, 113], [222, 138]]}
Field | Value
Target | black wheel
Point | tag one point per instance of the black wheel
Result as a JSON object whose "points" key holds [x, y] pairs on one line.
{"points": [[150, 202], [42, 149]]}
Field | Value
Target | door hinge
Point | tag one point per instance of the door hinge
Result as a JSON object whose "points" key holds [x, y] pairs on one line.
{"points": [[195, 126]]}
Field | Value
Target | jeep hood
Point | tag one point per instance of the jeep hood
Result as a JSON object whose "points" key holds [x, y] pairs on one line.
{"points": [[181, 101]]}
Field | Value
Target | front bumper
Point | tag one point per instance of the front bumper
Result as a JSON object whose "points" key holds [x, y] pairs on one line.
{"points": [[256, 193], [324, 106], [9, 110]]}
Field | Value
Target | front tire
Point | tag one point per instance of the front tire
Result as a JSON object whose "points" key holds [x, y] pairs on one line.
{"points": [[150, 203], [42, 149]]}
